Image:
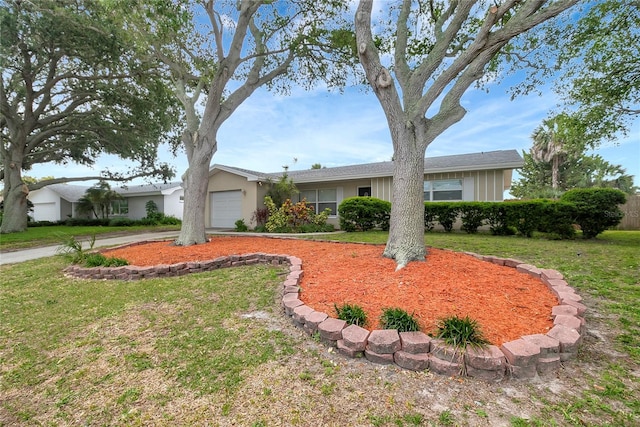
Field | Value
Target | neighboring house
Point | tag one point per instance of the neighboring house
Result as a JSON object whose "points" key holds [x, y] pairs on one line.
{"points": [[235, 193], [57, 202], [168, 197]]}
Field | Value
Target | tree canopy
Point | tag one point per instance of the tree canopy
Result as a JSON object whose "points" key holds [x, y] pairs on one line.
{"points": [[578, 170], [595, 67], [602, 67], [420, 57], [219, 52], [72, 88]]}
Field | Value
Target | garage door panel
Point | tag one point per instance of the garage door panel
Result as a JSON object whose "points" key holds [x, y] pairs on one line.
{"points": [[226, 208]]}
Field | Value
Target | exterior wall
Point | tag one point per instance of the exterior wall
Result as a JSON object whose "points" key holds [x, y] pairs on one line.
{"points": [[344, 189], [138, 205], [260, 191], [46, 205], [381, 188], [173, 204], [225, 181], [67, 209], [487, 185]]}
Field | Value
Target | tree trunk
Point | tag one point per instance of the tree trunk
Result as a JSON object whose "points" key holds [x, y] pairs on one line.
{"points": [[555, 167], [406, 232], [195, 182], [14, 218]]}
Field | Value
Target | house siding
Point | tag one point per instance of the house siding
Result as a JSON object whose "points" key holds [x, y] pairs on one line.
{"points": [[345, 189], [488, 185], [138, 205], [66, 209], [173, 206]]}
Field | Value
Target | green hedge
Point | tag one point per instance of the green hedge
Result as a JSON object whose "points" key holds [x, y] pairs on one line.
{"points": [[596, 208], [364, 213], [444, 213]]}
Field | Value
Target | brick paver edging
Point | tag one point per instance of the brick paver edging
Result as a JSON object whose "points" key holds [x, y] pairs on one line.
{"points": [[526, 357]]}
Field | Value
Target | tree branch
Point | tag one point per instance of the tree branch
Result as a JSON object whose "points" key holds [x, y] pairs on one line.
{"points": [[214, 17]]}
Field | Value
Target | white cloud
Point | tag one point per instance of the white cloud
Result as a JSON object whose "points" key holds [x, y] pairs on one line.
{"points": [[269, 131]]}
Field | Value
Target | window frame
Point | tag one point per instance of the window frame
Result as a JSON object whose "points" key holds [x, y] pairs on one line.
{"points": [[431, 190], [316, 202], [122, 203]]}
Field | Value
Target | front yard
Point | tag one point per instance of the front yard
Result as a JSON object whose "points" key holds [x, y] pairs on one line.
{"points": [[213, 349]]}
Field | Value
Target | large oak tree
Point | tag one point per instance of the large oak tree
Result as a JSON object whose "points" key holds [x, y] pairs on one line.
{"points": [[420, 60], [219, 52], [71, 90]]}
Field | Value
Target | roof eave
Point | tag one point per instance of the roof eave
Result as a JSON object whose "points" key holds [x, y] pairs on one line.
{"points": [[497, 166]]}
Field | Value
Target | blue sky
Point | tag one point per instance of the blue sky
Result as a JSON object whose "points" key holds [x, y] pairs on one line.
{"points": [[269, 131]]}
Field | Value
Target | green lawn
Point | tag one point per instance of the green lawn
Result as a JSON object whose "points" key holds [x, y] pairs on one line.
{"points": [[213, 348], [42, 236]]}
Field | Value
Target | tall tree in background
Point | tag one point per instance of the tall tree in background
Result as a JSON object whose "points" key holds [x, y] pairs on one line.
{"points": [[600, 57], [554, 141], [579, 170], [70, 91], [438, 50], [219, 52]]}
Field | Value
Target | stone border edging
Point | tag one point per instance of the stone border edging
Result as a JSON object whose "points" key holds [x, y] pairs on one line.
{"points": [[526, 357]]}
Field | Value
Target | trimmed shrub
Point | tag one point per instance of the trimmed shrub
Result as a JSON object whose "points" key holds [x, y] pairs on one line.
{"points": [[43, 223], [524, 216], [472, 215], [445, 213], [556, 218], [496, 217], [596, 208], [241, 226], [121, 222], [429, 217], [92, 222], [364, 213]]}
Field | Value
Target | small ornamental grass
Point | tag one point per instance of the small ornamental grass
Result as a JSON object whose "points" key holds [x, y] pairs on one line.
{"points": [[73, 249], [397, 318], [352, 314], [99, 260], [460, 332]]}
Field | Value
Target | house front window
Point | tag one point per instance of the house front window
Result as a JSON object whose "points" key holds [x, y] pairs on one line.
{"points": [[321, 199], [120, 207], [443, 190]]}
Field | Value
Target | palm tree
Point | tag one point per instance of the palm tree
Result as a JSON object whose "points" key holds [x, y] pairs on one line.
{"points": [[549, 146], [97, 200]]}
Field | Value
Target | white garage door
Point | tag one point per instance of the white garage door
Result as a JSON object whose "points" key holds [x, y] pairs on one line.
{"points": [[226, 208], [45, 212]]}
